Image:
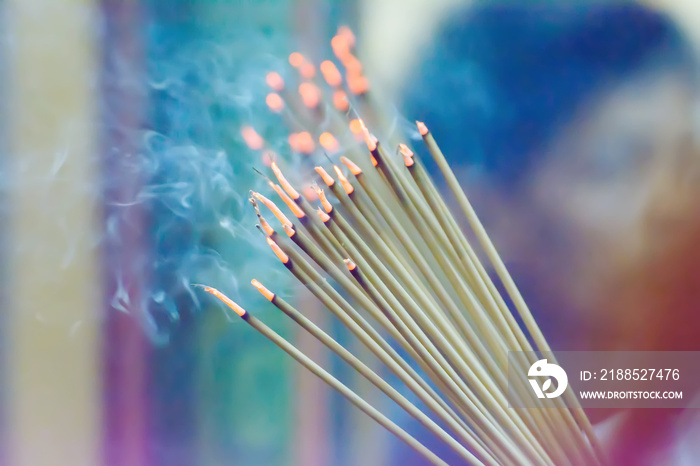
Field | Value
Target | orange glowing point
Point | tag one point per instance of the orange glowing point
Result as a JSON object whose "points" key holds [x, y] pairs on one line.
{"points": [[309, 193], [293, 141], [343, 180], [305, 143], [340, 101], [352, 65], [356, 126], [296, 210], [407, 154], [329, 142], [269, 295], [275, 81], [274, 102], [354, 169], [346, 33], [310, 94], [331, 74], [340, 46], [278, 251], [226, 300], [296, 59], [422, 129], [358, 85], [252, 138], [273, 208], [324, 216], [328, 179], [324, 200], [370, 140], [283, 181], [307, 70], [269, 231], [289, 230], [350, 264]]}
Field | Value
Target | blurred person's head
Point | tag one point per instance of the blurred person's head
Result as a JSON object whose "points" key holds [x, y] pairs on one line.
{"points": [[572, 130], [565, 124]]}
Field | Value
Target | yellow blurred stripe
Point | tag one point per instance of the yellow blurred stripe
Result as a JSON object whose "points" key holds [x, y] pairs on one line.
{"points": [[54, 353]]}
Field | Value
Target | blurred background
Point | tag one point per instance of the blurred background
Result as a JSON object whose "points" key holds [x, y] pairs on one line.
{"points": [[124, 178]]}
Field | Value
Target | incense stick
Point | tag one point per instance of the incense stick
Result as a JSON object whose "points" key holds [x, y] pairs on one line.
{"points": [[392, 263]]}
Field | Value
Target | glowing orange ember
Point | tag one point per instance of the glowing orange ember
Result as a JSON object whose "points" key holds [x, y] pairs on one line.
{"points": [[352, 65], [358, 85], [269, 295], [275, 81], [278, 251], [309, 193], [340, 101], [329, 142], [305, 143], [275, 102], [356, 126], [226, 300], [328, 179], [296, 59], [252, 138], [340, 47], [347, 34], [331, 74], [310, 94]]}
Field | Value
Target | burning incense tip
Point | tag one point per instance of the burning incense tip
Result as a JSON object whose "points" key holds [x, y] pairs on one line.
{"points": [[328, 179], [267, 229], [296, 59], [329, 142], [422, 129], [407, 154], [225, 299], [324, 216], [296, 210], [273, 208], [252, 138], [331, 74], [309, 193], [301, 142], [353, 66], [269, 295], [340, 101], [281, 255], [357, 84], [350, 264], [343, 180], [305, 142], [354, 169], [310, 94], [289, 230], [274, 102], [275, 81], [347, 34], [340, 46], [370, 140], [283, 181], [356, 128], [324, 200]]}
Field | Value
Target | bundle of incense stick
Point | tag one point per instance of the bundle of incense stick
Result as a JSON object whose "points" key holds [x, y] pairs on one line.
{"points": [[390, 261]]}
